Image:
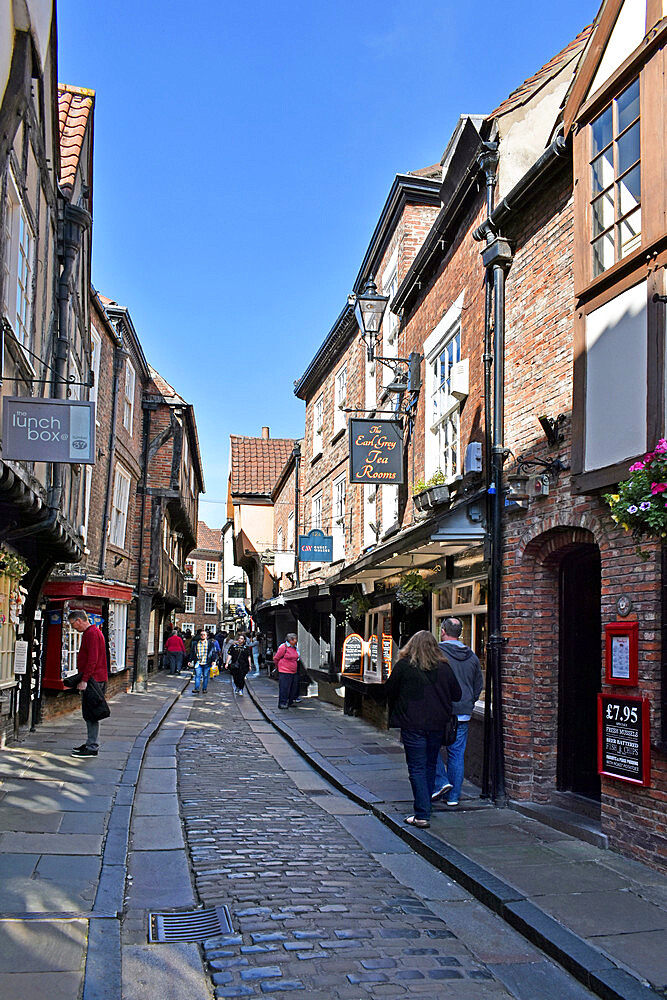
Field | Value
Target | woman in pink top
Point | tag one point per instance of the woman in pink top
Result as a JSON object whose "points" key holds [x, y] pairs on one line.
{"points": [[287, 662], [174, 648]]}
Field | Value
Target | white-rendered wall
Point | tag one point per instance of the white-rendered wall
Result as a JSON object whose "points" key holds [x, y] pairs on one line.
{"points": [[627, 34], [616, 380]]}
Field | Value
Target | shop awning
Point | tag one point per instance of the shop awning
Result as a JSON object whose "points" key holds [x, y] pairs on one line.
{"points": [[420, 545], [64, 589]]}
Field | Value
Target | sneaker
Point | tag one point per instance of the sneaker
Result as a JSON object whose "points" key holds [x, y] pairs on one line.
{"points": [[240, 692], [79, 749], [455, 802], [83, 752], [203, 690], [283, 706], [440, 792], [195, 690], [297, 701]]}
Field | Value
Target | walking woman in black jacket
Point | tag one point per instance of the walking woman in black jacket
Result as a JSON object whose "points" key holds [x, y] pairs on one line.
{"points": [[420, 692]]}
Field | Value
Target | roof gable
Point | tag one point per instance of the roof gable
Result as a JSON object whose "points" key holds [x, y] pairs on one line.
{"points": [[256, 464], [619, 28]]}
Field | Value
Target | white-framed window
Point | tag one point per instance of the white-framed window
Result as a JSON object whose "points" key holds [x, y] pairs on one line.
{"points": [[389, 501], [370, 535], [467, 600], [95, 354], [117, 636], [119, 504], [390, 319], [340, 399], [211, 572], [188, 627], [279, 540], [189, 603], [128, 402], [210, 603], [316, 511], [150, 642], [7, 633], [338, 526], [190, 567], [443, 450], [616, 180], [290, 531], [71, 644], [18, 264], [318, 426]]}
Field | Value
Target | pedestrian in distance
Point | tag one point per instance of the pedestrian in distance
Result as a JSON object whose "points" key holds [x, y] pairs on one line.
{"points": [[464, 663], [229, 641], [187, 640], [420, 692], [204, 652], [174, 649], [92, 665], [220, 637], [253, 642], [286, 660], [238, 662]]}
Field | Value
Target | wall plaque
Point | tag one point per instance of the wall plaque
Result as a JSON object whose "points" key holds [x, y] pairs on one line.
{"points": [[624, 738], [376, 452], [621, 661]]}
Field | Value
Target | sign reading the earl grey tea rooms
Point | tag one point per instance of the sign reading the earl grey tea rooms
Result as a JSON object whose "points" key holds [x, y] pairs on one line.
{"points": [[376, 452], [48, 430]]}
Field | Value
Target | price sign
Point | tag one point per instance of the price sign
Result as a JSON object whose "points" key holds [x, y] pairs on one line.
{"points": [[353, 648], [624, 739]]}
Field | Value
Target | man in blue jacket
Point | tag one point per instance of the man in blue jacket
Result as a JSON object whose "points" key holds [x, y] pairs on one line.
{"points": [[466, 668]]}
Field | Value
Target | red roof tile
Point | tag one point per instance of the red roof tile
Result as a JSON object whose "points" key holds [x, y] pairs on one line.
{"points": [[256, 463], [74, 109], [208, 539], [164, 388], [534, 83]]}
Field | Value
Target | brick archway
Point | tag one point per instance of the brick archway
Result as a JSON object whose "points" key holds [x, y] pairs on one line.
{"points": [[531, 659]]}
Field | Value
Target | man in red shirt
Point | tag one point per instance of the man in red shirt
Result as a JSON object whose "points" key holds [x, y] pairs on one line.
{"points": [[91, 662]]}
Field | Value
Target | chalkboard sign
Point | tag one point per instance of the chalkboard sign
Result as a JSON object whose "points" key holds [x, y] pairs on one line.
{"points": [[624, 739], [387, 654], [372, 657], [353, 648]]}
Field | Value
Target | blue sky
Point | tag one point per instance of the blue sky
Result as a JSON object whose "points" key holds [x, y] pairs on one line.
{"points": [[243, 153]]}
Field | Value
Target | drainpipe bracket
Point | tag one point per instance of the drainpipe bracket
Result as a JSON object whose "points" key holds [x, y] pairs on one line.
{"points": [[497, 252]]}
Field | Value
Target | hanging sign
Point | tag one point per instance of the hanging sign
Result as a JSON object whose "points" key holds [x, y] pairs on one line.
{"points": [[353, 650], [316, 546], [376, 452], [624, 738], [48, 430]]}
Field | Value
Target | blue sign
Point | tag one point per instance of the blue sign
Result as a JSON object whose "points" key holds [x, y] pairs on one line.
{"points": [[316, 547]]}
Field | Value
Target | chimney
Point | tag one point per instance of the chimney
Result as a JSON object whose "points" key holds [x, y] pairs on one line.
{"points": [[265, 434]]}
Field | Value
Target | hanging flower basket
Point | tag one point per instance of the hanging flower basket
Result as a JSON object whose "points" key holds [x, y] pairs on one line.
{"points": [[355, 606], [640, 505], [412, 590], [12, 565]]}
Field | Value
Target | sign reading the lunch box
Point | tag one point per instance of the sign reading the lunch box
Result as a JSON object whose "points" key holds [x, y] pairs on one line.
{"points": [[48, 430], [376, 452], [316, 546]]}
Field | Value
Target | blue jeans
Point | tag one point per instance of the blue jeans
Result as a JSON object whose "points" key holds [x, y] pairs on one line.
{"points": [[255, 658], [452, 774], [202, 673], [288, 688], [421, 753]]}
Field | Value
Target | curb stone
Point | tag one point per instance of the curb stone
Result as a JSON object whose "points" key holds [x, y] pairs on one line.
{"points": [[586, 963]]}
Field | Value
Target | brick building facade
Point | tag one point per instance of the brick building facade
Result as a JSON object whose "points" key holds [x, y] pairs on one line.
{"points": [[547, 187], [204, 583]]}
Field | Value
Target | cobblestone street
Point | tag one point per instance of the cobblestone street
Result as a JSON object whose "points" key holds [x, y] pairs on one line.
{"points": [[312, 907]]}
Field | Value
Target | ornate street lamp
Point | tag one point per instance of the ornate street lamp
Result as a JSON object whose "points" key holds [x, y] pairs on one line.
{"points": [[369, 309]]}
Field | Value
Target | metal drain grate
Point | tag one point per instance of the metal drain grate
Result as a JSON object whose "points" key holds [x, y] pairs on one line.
{"points": [[195, 925]]}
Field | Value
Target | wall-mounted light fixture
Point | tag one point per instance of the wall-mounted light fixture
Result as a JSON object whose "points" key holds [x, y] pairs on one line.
{"points": [[552, 428]]}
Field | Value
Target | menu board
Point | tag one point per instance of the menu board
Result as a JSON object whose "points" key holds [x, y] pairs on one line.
{"points": [[387, 654], [353, 648], [623, 738]]}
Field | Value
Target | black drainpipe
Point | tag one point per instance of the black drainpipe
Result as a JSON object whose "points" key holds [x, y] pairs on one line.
{"points": [[118, 358], [488, 161]]}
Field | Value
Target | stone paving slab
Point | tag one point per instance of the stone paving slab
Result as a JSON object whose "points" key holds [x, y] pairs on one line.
{"points": [[589, 890]]}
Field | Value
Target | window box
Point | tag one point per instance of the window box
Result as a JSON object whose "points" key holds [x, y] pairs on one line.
{"points": [[432, 496]]}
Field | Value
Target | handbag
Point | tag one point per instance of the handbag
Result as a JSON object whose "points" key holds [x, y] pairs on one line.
{"points": [[451, 726], [214, 671]]}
